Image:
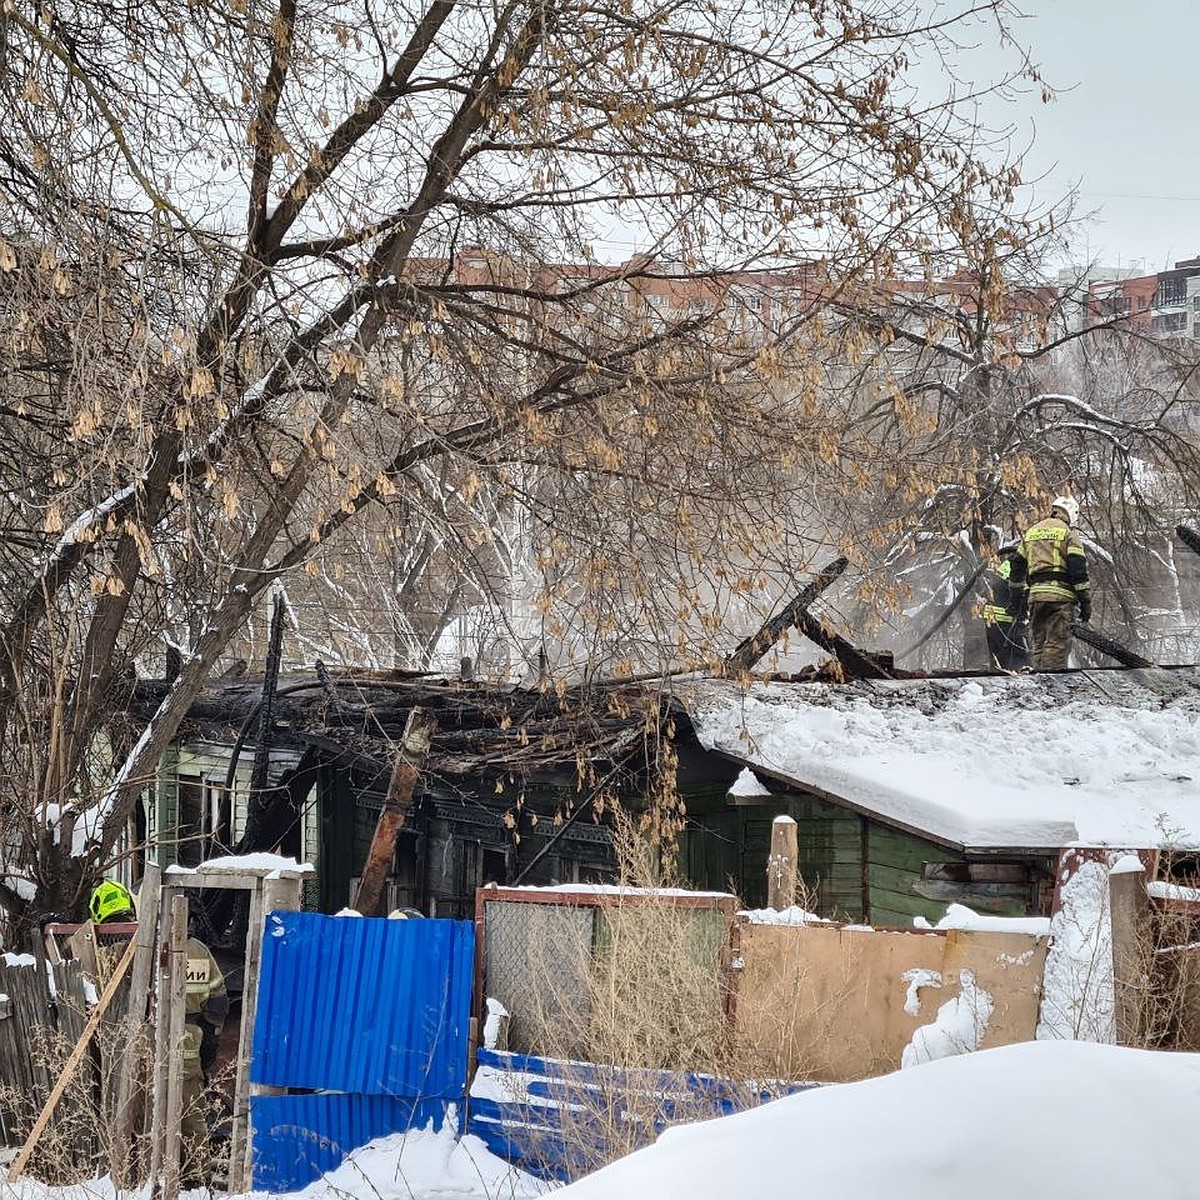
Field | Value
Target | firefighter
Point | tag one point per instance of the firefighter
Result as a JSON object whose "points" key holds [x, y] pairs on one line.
{"points": [[1004, 615], [1050, 569], [207, 1008], [207, 1005], [111, 901]]}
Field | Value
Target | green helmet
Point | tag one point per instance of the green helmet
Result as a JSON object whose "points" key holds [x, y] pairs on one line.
{"points": [[110, 900]]}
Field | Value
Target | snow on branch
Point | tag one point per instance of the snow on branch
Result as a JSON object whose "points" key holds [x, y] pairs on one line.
{"points": [[1074, 403], [91, 518]]}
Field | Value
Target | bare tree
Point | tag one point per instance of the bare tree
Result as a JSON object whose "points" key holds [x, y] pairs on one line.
{"points": [[237, 317], [988, 392]]}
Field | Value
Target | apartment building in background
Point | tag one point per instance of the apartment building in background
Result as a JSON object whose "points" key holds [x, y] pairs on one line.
{"points": [[1165, 304]]}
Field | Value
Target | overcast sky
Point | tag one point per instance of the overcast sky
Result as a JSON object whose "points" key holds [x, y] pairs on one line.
{"points": [[1124, 126]]}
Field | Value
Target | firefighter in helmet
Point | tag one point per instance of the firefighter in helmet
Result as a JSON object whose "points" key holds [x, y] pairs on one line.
{"points": [[1050, 562], [1004, 614], [207, 1006], [111, 901]]}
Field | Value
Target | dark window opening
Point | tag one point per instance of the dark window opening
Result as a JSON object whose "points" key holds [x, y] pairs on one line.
{"points": [[189, 824]]}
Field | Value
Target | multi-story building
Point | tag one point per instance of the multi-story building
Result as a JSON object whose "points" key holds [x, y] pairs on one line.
{"points": [[1171, 314], [1164, 305], [1126, 300]]}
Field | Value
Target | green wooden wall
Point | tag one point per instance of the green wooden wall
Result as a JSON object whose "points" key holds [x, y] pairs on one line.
{"points": [[894, 863], [856, 868]]}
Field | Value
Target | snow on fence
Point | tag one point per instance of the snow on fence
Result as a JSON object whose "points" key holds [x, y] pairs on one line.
{"points": [[558, 1119]]}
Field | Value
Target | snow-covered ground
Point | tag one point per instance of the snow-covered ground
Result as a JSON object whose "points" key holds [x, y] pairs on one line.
{"points": [[418, 1165], [1072, 1120]]}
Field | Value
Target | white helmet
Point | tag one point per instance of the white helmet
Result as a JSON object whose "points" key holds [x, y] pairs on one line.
{"points": [[1068, 505]]}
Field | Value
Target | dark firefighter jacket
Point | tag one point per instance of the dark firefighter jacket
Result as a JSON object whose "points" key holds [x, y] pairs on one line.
{"points": [[1050, 562], [1006, 600]]}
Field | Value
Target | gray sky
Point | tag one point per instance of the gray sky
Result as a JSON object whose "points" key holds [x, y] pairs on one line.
{"points": [[1124, 124]]}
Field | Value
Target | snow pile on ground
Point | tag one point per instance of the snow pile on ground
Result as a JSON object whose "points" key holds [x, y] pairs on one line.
{"points": [[418, 1165], [958, 1028], [1078, 999], [959, 758], [1075, 1120], [422, 1165]]}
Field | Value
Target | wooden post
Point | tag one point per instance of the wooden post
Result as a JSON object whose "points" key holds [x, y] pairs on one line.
{"points": [[240, 1144], [83, 950], [135, 1019], [1128, 905], [418, 734], [279, 895], [781, 865], [162, 1033], [176, 1016]]}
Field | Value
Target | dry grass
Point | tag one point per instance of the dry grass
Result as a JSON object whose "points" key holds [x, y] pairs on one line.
{"points": [[648, 998], [82, 1141], [1166, 986]]}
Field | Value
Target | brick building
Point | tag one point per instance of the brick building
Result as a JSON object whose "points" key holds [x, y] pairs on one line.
{"points": [[1164, 305]]}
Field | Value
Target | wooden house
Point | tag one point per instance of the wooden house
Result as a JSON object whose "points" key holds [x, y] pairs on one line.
{"points": [[516, 788], [909, 794], [913, 794]]}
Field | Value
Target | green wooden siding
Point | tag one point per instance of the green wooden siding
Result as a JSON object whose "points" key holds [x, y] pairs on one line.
{"points": [[829, 841], [895, 861], [856, 868], [726, 848], [203, 766]]}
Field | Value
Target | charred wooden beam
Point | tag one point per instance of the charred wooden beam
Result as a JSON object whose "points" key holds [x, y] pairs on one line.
{"points": [[855, 663], [1189, 537], [750, 650], [418, 735], [1106, 645]]}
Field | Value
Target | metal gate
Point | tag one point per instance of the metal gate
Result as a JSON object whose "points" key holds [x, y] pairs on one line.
{"points": [[371, 1019]]}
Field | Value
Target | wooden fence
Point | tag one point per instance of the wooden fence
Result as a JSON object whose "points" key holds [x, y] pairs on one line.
{"points": [[43, 1009]]}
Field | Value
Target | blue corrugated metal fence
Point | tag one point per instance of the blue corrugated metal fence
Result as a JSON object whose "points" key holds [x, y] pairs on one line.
{"points": [[552, 1117], [377, 1011]]}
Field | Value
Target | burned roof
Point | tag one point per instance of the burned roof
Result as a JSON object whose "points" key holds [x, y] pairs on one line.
{"points": [[483, 730]]}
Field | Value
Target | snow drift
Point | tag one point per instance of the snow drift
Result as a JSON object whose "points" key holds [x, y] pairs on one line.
{"points": [[1074, 1120]]}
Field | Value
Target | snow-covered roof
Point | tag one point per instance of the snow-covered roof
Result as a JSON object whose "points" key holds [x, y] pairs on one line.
{"points": [[1034, 762]]}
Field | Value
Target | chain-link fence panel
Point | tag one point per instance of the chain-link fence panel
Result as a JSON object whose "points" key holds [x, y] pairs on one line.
{"points": [[536, 962]]}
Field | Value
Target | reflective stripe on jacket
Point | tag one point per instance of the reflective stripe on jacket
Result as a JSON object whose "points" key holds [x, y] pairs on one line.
{"points": [[204, 978], [1050, 561], [1005, 599], [206, 1003]]}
